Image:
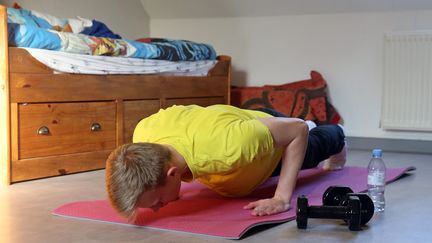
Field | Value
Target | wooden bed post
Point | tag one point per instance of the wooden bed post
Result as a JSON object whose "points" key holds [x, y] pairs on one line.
{"points": [[4, 100], [228, 59]]}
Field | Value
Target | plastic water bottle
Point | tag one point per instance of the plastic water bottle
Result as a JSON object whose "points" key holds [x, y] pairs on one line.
{"points": [[376, 180]]}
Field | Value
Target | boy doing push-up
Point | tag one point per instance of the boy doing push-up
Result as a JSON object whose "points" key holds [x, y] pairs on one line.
{"points": [[228, 149]]}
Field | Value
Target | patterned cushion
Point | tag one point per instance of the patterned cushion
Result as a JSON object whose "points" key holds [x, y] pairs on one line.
{"points": [[306, 99]]}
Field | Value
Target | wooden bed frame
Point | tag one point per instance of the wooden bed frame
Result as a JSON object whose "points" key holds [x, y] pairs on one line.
{"points": [[56, 124]]}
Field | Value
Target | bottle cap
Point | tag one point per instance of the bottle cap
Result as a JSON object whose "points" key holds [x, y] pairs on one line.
{"points": [[377, 153]]}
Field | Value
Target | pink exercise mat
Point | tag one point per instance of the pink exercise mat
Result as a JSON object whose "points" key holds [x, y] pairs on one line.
{"points": [[201, 211]]}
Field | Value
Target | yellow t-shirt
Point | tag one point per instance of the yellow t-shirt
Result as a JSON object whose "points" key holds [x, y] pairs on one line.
{"points": [[226, 148]]}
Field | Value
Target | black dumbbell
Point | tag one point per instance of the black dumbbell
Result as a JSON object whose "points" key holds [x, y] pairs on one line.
{"points": [[351, 213], [337, 196]]}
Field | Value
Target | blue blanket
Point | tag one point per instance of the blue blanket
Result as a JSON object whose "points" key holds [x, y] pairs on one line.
{"points": [[28, 29]]}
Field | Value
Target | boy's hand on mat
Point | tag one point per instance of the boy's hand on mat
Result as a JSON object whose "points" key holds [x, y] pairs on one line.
{"points": [[267, 206]]}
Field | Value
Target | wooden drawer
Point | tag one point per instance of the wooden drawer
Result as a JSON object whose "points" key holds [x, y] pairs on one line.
{"points": [[65, 128], [27, 169], [135, 111], [202, 101]]}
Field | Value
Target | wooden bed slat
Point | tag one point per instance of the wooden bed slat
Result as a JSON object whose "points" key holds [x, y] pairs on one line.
{"points": [[69, 87], [20, 61]]}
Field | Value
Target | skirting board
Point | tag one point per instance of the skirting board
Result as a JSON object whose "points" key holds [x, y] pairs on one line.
{"points": [[387, 144]]}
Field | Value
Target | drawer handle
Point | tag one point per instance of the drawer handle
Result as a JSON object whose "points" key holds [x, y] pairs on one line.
{"points": [[96, 127], [43, 130]]}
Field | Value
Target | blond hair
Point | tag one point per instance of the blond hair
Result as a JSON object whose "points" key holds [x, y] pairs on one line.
{"points": [[131, 169]]}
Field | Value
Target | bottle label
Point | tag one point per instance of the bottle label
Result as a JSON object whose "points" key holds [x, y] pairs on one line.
{"points": [[376, 178]]}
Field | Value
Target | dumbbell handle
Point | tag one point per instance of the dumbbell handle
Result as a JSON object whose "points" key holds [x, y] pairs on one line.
{"points": [[328, 212]]}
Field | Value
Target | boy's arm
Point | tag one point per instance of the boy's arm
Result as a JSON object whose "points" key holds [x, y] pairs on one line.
{"points": [[292, 135]]}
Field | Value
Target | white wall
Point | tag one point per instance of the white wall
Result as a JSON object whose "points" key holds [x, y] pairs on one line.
{"points": [[124, 17], [346, 48]]}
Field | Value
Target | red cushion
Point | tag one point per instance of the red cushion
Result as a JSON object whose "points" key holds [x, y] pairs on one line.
{"points": [[305, 99]]}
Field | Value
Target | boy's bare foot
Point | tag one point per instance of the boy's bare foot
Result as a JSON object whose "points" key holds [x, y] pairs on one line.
{"points": [[336, 161]]}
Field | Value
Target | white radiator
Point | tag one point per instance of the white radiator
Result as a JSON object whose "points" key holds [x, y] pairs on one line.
{"points": [[407, 88]]}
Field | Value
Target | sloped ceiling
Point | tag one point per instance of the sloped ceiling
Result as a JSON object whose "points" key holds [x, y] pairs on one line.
{"points": [[175, 9]]}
